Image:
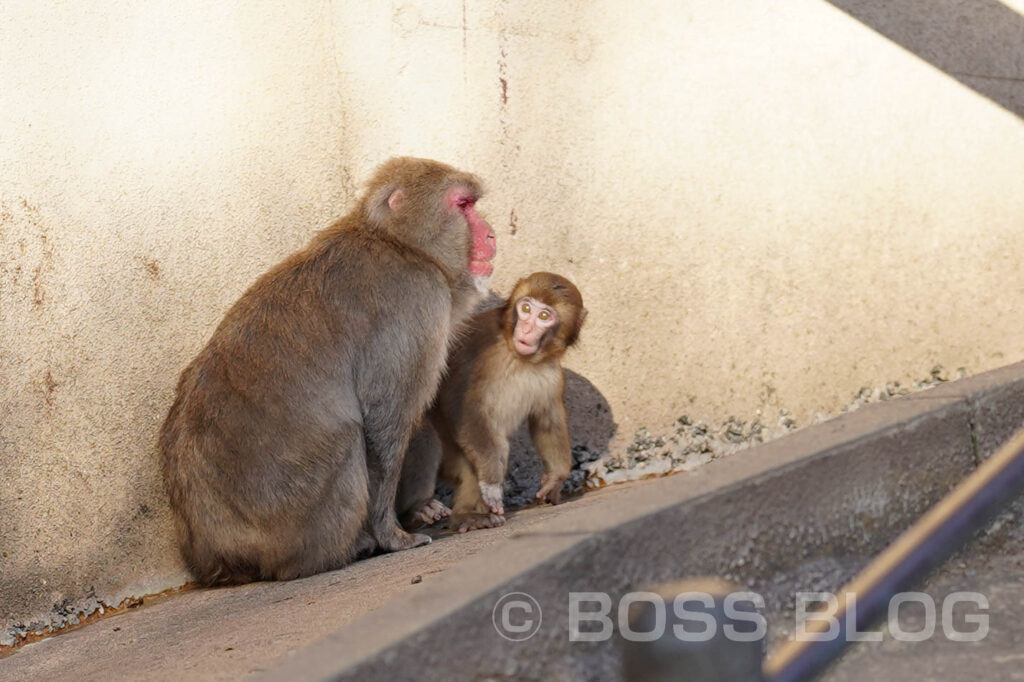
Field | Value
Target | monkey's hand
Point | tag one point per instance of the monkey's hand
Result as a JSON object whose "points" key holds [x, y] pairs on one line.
{"points": [[493, 497], [551, 488]]}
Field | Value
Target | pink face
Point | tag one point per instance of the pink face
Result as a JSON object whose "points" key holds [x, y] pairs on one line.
{"points": [[483, 244], [535, 319]]}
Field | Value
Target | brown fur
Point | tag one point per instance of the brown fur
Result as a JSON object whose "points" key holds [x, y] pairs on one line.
{"points": [[282, 450], [489, 390]]}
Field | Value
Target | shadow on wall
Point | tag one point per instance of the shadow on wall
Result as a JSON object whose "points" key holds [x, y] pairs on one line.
{"points": [[591, 428], [979, 43]]}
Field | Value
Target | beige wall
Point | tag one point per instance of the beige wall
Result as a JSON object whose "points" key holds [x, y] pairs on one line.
{"points": [[766, 206]]}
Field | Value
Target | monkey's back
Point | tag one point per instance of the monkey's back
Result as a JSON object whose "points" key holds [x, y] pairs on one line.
{"points": [[273, 407]]}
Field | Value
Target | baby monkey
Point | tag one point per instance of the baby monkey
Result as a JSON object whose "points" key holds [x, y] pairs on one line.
{"points": [[505, 368]]}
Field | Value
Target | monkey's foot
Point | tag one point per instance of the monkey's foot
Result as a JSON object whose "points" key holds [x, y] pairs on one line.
{"points": [[551, 488], [365, 545], [493, 496], [398, 539], [466, 521], [430, 513]]}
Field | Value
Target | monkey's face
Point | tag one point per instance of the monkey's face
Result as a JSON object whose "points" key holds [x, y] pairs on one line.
{"points": [[433, 207], [482, 247], [534, 321]]}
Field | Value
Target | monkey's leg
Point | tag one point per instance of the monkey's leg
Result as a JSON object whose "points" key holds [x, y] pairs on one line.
{"points": [[385, 449], [469, 511], [326, 535], [415, 503], [549, 429]]}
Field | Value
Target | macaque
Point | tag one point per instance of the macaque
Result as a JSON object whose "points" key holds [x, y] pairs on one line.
{"points": [[504, 369], [283, 448]]}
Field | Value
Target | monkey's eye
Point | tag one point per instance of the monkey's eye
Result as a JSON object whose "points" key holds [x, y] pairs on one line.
{"points": [[525, 307], [545, 315]]}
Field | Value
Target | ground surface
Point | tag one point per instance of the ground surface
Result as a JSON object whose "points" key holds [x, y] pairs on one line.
{"points": [[230, 633], [760, 518]]}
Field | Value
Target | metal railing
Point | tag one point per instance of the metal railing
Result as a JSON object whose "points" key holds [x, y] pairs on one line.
{"points": [[908, 560]]}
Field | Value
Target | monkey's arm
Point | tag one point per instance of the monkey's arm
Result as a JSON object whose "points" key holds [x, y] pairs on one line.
{"points": [[549, 429], [487, 450]]}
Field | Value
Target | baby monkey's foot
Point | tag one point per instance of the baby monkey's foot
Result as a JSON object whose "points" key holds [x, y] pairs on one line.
{"points": [[466, 521]]}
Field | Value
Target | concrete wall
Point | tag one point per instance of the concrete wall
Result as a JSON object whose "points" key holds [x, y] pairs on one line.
{"points": [[766, 206]]}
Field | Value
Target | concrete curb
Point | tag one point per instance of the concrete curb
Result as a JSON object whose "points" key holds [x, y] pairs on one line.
{"points": [[804, 510]]}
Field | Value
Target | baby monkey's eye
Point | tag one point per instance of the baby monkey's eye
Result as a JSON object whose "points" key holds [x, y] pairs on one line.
{"points": [[545, 315], [525, 307]]}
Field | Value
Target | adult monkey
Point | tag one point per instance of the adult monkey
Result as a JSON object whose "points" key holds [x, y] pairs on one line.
{"points": [[505, 369], [283, 448]]}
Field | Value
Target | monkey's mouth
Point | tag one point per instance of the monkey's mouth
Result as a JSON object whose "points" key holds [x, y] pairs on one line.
{"points": [[480, 268], [525, 347]]}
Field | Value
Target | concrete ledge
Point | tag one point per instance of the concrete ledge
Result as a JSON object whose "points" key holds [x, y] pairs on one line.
{"points": [[828, 496], [996, 400], [801, 512]]}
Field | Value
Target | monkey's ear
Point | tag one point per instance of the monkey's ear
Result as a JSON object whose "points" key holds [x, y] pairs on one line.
{"points": [[384, 203], [396, 200], [574, 334]]}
